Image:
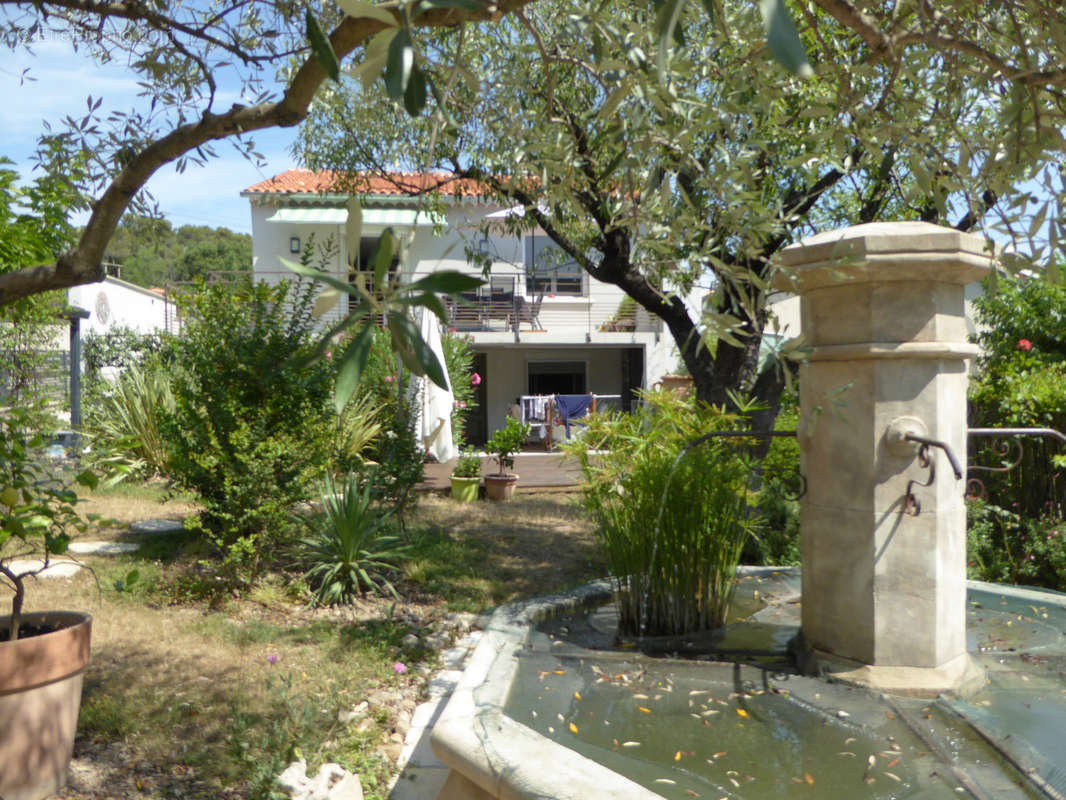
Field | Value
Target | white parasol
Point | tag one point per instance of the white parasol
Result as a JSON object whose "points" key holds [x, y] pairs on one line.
{"points": [[433, 408]]}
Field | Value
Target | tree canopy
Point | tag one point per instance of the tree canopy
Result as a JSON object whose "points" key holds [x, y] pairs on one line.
{"points": [[654, 165], [150, 252]]}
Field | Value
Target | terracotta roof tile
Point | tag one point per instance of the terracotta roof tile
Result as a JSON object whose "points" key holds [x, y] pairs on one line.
{"points": [[305, 181]]}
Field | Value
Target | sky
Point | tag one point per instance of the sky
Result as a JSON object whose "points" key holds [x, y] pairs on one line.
{"points": [[64, 79]]}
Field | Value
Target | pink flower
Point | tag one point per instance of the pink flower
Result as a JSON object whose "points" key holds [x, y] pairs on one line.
{"points": [[1025, 344], [475, 380], [460, 404], [399, 668], [390, 378], [272, 658], [329, 355]]}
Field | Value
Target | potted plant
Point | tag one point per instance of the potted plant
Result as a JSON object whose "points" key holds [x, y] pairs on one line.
{"points": [[43, 655], [503, 445], [466, 477]]}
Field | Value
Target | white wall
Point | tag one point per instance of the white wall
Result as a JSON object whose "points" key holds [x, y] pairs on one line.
{"points": [[113, 303]]}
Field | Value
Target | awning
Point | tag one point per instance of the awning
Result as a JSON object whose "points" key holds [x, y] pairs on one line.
{"points": [[396, 217]]}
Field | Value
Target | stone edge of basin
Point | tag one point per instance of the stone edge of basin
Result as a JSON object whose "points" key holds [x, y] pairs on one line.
{"points": [[491, 755]]}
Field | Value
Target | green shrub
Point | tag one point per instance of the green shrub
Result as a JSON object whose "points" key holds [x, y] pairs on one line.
{"points": [[468, 465], [352, 548], [253, 428], [673, 519], [778, 543], [1021, 382], [507, 441], [1006, 547], [125, 424]]}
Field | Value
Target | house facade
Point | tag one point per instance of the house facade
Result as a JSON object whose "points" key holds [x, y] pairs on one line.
{"points": [[539, 326]]}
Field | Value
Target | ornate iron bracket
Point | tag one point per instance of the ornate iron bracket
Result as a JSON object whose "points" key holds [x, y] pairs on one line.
{"points": [[911, 504]]}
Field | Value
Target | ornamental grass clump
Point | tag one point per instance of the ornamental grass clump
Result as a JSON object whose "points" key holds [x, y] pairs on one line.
{"points": [[672, 518]]}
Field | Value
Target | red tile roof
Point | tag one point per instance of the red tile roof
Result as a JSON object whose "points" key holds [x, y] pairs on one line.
{"points": [[305, 181]]}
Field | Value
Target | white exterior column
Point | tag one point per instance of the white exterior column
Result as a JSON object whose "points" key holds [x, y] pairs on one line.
{"points": [[884, 592]]}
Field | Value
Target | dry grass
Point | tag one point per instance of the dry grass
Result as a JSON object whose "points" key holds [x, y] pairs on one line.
{"points": [[182, 700]]}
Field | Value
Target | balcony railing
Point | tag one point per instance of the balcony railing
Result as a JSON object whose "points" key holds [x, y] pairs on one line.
{"points": [[516, 304]]}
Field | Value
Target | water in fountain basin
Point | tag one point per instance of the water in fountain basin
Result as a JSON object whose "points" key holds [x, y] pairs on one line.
{"points": [[736, 721]]}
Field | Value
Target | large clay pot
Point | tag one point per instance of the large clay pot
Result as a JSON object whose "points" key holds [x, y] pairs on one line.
{"points": [[465, 489], [500, 487], [40, 693]]}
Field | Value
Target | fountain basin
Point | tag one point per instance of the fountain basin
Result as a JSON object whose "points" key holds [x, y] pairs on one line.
{"points": [[549, 707]]}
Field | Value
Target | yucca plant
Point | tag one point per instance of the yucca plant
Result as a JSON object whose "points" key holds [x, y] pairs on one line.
{"points": [[126, 425], [352, 548]]}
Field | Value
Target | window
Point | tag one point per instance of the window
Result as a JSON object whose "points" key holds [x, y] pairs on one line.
{"points": [[557, 377], [550, 271]]}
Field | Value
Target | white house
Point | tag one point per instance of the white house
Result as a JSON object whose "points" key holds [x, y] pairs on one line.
{"points": [[539, 326], [114, 303]]}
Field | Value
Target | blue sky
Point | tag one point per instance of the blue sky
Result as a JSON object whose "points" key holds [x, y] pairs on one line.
{"points": [[64, 79]]}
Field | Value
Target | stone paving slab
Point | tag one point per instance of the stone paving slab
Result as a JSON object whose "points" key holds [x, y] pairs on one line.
{"points": [[102, 548], [61, 568], [156, 526]]}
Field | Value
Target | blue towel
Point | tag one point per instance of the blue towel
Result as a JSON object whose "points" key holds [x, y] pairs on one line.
{"points": [[572, 406]]}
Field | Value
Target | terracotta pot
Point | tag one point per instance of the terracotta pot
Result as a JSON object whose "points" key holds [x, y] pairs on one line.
{"points": [[500, 487], [465, 489], [682, 384], [40, 693]]}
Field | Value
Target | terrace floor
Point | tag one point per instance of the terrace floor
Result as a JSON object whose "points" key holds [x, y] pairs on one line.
{"points": [[539, 472]]}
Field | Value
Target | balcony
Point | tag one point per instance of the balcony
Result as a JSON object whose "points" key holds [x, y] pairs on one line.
{"points": [[513, 307]]}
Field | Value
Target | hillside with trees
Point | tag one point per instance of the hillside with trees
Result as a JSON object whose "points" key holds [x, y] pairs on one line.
{"points": [[150, 252]]}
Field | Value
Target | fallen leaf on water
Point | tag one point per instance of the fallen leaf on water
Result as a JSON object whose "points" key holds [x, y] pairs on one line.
{"points": [[666, 781], [846, 753], [577, 695], [691, 793], [710, 712], [640, 696], [849, 740], [614, 743], [677, 756], [893, 777], [719, 754], [735, 782], [643, 709], [893, 763], [630, 744], [742, 713], [573, 728], [890, 715], [542, 675], [871, 761], [695, 692], [560, 672], [808, 778]]}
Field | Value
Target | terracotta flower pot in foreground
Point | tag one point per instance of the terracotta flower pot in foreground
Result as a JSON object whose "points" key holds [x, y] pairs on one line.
{"points": [[40, 693]]}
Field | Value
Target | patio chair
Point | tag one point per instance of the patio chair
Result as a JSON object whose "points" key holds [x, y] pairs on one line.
{"points": [[530, 312]]}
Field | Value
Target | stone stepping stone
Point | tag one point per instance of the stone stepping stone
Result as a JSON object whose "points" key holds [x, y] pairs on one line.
{"points": [[102, 548], [56, 569], [157, 526]]}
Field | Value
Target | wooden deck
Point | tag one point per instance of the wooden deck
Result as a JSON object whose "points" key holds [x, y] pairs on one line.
{"points": [[538, 471]]}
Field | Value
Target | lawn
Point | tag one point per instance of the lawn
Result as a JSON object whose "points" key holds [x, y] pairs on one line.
{"points": [[192, 694]]}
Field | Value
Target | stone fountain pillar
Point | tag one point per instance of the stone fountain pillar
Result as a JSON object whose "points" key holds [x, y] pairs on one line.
{"points": [[884, 591]]}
